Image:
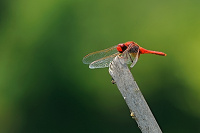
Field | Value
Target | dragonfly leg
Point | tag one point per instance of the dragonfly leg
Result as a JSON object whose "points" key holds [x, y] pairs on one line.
{"points": [[133, 115], [113, 81], [135, 60], [131, 60]]}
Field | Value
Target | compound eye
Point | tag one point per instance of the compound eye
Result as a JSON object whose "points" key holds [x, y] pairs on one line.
{"points": [[121, 47]]}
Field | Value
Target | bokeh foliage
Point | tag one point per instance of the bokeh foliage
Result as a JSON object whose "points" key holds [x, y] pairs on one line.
{"points": [[45, 87]]}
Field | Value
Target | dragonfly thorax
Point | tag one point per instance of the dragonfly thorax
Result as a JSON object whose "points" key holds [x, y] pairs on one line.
{"points": [[134, 49]]}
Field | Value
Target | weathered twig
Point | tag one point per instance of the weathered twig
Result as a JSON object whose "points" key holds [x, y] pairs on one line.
{"points": [[133, 96]]}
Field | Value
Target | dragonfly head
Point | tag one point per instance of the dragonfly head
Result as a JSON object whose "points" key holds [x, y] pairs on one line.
{"points": [[121, 47]]}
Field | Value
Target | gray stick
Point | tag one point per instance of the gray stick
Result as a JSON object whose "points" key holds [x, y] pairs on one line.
{"points": [[131, 93]]}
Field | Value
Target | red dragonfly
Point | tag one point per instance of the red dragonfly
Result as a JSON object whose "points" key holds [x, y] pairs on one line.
{"points": [[130, 51]]}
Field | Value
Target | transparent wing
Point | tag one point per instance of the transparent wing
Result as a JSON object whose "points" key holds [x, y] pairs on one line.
{"points": [[103, 62], [88, 59]]}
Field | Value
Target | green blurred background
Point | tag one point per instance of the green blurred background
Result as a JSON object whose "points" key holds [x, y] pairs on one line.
{"points": [[45, 87]]}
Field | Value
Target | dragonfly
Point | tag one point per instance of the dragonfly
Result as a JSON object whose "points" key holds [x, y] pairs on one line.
{"points": [[130, 51]]}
